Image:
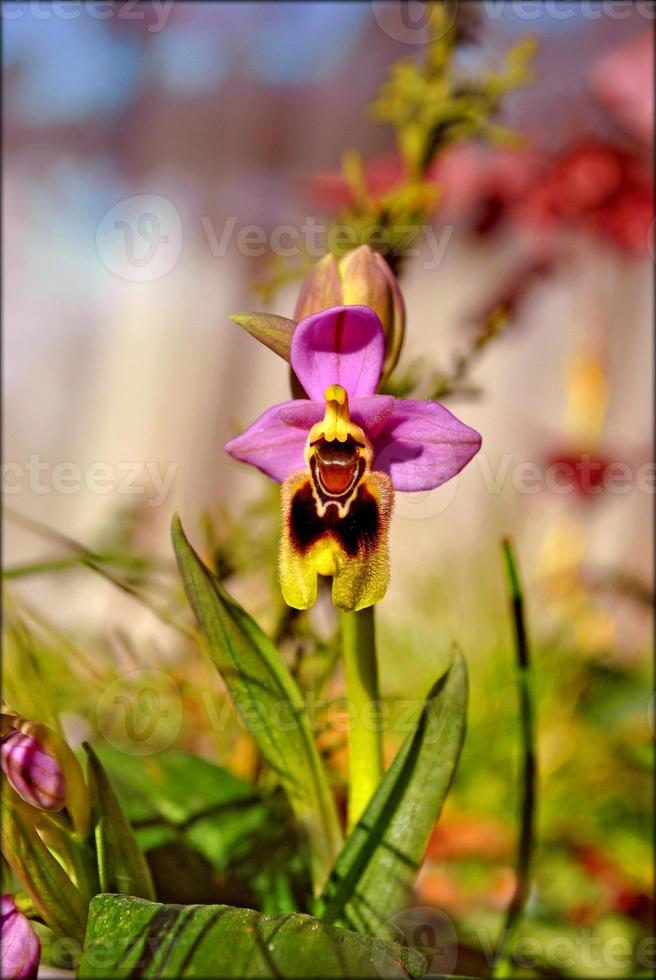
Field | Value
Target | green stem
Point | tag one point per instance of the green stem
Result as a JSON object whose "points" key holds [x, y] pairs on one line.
{"points": [[503, 965], [365, 741]]}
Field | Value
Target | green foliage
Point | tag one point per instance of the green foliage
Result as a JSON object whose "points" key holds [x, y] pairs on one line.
{"points": [[122, 867], [431, 104], [54, 896], [269, 702], [127, 937], [208, 835], [376, 869]]}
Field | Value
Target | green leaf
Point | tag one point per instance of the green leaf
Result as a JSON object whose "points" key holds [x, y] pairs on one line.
{"points": [[269, 701], [121, 865], [194, 819], [375, 871], [53, 894], [275, 332], [127, 937], [175, 787]]}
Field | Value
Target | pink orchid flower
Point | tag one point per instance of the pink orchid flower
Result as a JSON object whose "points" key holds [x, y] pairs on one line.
{"points": [[341, 453]]}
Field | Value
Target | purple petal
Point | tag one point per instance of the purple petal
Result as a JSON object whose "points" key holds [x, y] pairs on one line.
{"points": [[422, 445], [275, 447], [343, 346], [302, 413], [33, 773], [372, 413], [21, 949]]}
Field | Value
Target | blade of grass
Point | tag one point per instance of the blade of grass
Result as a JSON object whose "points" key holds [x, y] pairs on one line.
{"points": [[502, 961], [97, 563]]}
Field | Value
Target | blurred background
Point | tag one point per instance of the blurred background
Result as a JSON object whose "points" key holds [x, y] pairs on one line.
{"points": [[156, 158]]}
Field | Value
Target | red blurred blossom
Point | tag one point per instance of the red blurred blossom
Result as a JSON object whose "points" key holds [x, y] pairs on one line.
{"points": [[476, 182], [622, 895], [597, 189], [623, 79], [594, 188], [329, 190], [480, 183], [584, 472]]}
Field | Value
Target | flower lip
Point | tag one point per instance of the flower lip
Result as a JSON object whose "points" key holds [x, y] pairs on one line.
{"points": [[338, 453], [337, 465]]}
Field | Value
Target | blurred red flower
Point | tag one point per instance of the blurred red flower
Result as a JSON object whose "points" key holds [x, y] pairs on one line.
{"points": [[623, 80], [596, 189]]}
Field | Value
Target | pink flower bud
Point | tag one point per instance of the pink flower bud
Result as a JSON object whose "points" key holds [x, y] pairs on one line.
{"points": [[21, 949], [361, 278], [33, 773], [367, 280]]}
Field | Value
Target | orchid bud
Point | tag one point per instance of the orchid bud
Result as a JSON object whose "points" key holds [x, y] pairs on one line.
{"points": [[361, 278], [21, 949], [367, 280], [321, 289], [33, 773], [51, 744]]}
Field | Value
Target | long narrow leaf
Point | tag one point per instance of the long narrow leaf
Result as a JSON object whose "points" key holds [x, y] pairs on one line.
{"points": [[375, 871], [122, 868], [503, 965], [53, 894], [269, 701]]}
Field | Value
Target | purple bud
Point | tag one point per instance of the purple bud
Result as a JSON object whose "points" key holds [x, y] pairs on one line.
{"points": [[33, 773], [21, 949]]}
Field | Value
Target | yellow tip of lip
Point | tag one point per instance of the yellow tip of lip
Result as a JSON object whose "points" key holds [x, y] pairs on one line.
{"points": [[335, 393], [336, 423]]}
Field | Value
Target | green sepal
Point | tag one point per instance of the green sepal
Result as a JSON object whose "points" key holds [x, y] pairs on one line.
{"points": [[275, 332]]}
